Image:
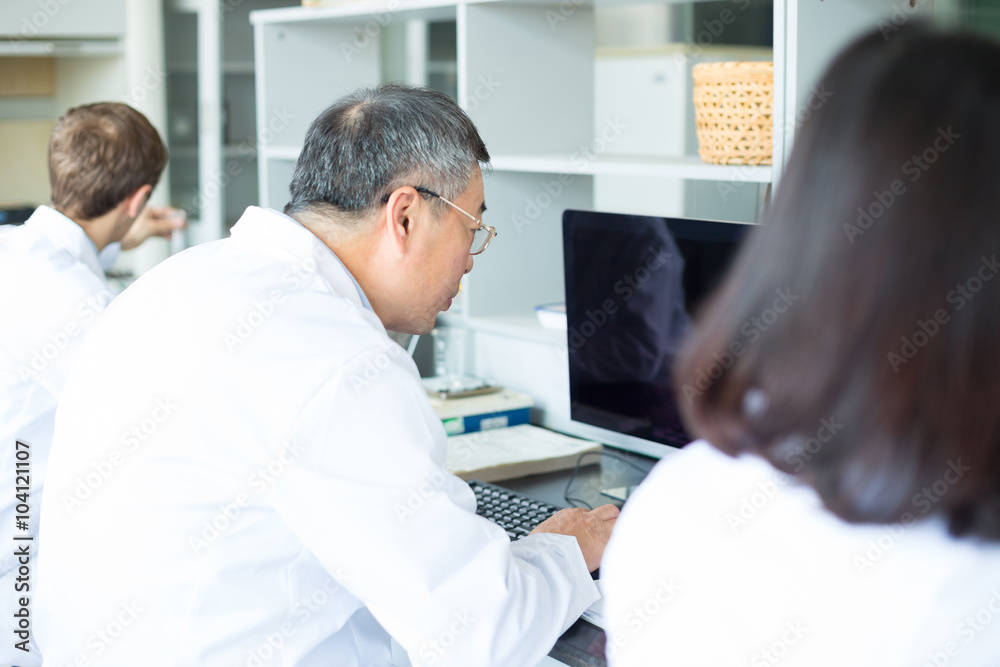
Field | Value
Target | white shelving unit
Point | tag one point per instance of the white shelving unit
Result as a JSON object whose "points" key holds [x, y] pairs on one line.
{"points": [[526, 77], [210, 69], [62, 28], [687, 167]]}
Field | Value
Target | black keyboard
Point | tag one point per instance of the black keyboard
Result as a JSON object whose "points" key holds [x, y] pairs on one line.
{"points": [[515, 513]]}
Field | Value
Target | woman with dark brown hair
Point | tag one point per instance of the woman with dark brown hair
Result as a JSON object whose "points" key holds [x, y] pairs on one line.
{"points": [[843, 505]]}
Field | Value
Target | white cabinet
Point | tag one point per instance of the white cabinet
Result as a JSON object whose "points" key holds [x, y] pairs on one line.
{"points": [[60, 27], [526, 75]]}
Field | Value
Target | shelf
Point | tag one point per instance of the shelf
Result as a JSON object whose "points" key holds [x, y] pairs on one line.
{"points": [[428, 10], [280, 152], [234, 67], [597, 3], [687, 167], [182, 68], [442, 67], [240, 150], [521, 327], [227, 68], [228, 151], [184, 153], [62, 48]]}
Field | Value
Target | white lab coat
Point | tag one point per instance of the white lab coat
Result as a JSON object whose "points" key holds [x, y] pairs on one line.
{"points": [[717, 561], [52, 286], [246, 471]]}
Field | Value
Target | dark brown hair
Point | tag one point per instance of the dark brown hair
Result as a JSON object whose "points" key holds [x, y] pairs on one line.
{"points": [[99, 154], [856, 342]]}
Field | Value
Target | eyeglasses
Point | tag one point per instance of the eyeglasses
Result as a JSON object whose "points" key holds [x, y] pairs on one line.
{"points": [[482, 236]]}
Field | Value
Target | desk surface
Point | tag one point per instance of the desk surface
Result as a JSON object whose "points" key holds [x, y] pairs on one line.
{"points": [[579, 645], [595, 474]]}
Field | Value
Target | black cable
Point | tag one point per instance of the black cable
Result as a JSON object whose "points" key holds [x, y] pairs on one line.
{"points": [[570, 500]]}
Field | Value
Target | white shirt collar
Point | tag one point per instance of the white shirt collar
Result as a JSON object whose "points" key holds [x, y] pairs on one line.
{"points": [[66, 234], [288, 234]]}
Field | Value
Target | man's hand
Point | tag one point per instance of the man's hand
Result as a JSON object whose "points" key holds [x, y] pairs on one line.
{"points": [[154, 221], [591, 529]]}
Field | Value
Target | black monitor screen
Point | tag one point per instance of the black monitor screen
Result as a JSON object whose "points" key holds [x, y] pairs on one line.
{"points": [[632, 285]]}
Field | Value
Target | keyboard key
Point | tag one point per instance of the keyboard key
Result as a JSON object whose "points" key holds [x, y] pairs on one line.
{"points": [[516, 514]]}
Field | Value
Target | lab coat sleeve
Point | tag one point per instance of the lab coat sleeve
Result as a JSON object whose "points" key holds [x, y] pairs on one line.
{"points": [[369, 496]]}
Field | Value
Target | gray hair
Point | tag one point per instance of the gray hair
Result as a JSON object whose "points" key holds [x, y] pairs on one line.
{"points": [[378, 139]]}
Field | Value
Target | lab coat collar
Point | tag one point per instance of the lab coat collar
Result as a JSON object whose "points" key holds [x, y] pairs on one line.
{"points": [[67, 234], [282, 231]]}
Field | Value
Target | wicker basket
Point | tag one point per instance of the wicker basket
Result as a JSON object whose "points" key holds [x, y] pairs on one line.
{"points": [[733, 104]]}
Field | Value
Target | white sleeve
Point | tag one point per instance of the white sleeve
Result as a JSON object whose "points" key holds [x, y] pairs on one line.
{"points": [[370, 498]]}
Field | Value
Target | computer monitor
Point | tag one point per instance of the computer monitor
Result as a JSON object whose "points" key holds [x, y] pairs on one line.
{"points": [[633, 283]]}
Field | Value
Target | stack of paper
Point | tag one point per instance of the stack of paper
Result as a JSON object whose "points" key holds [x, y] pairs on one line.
{"points": [[517, 451], [595, 612]]}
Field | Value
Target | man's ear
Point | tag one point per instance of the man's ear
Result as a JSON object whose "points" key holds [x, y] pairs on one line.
{"points": [[400, 212], [136, 200]]}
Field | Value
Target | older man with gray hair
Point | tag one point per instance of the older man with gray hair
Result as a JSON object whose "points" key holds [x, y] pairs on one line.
{"points": [[246, 470]]}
